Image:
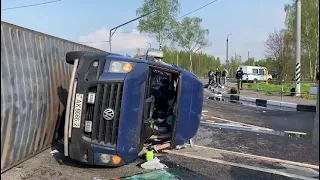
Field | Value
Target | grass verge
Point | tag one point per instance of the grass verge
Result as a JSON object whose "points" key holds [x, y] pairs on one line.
{"points": [[275, 89]]}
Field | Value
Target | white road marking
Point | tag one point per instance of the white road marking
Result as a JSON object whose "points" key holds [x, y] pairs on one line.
{"points": [[267, 170], [242, 128], [262, 157], [243, 124], [252, 127]]}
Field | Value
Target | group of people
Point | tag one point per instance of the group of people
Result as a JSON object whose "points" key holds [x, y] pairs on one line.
{"points": [[217, 76]]}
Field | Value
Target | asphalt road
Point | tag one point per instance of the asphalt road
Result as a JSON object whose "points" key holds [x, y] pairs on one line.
{"points": [[48, 166], [278, 120], [45, 166], [274, 146]]}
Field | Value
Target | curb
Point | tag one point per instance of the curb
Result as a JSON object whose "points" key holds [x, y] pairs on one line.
{"points": [[265, 103]]}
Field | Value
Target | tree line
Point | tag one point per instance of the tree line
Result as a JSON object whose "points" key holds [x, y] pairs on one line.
{"points": [[186, 33], [280, 45]]}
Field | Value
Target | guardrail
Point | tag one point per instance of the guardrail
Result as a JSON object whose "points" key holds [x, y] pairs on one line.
{"points": [[272, 87], [280, 88]]}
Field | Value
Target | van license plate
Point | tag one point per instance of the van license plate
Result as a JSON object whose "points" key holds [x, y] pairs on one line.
{"points": [[88, 126], [77, 111], [91, 97]]}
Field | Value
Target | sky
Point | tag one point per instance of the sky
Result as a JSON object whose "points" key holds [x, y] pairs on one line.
{"points": [[86, 21]]}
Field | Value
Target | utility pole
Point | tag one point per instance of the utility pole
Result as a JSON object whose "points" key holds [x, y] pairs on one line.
{"points": [[249, 57], [177, 58], [227, 47], [298, 47], [113, 30]]}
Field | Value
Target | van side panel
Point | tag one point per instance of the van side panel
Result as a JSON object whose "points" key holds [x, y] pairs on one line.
{"points": [[190, 108], [131, 120]]}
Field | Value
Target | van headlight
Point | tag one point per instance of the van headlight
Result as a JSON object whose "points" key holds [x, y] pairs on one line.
{"points": [[121, 66]]}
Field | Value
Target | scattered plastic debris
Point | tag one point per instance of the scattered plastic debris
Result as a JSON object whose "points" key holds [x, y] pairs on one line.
{"points": [[153, 164], [181, 146], [54, 152]]}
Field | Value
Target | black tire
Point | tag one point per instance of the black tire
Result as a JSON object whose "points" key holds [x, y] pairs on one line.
{"points": [[73, 55], [255, 80], [269, 79]]}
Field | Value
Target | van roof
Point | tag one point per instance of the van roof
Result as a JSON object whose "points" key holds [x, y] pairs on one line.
{"points": [[253, 66]]}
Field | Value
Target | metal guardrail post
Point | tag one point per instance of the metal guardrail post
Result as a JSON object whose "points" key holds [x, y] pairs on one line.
{"points": [[282, 90], [258, 89]]}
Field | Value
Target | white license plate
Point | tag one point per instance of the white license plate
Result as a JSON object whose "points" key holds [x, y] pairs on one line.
{"points": [[88, 126], [91, 97], [77, 111]]}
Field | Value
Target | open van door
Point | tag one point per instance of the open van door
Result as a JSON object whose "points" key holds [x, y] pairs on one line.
{"points": [[190, 108]]}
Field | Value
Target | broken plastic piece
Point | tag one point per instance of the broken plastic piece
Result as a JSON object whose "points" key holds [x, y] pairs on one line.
{"points": [[153, 164]]}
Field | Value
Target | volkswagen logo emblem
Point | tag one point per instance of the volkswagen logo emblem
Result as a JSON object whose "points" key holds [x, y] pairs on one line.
{"points": [[108, 114], [95, 64]]}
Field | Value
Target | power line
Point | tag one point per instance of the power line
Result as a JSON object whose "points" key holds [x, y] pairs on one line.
{"points": [[197, 9], [176, 18], [186, 13], [31, 5]]}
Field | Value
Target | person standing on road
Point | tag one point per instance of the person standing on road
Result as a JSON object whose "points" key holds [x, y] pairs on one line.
{"points": [[224, 76], [210, 74], [218, 76], [239, 75]]}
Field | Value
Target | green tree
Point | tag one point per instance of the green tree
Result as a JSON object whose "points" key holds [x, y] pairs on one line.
{"points": [[309, 34], [249, 62], [159, 23], [190, 36], [279, 47], [202, 61]]}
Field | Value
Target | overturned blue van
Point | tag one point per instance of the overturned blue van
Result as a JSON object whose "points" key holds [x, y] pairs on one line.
{"points": [[118, 106]]}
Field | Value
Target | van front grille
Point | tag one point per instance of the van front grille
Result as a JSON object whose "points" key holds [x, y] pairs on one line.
{"points": [[107, 96]]}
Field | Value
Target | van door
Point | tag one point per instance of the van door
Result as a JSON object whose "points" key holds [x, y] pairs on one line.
{"points": [[190, 108], [262, 75]]}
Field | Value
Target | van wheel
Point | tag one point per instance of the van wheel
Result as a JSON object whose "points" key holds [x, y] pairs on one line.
{"points": [[255, 80], [269, 79], [73, 55]]}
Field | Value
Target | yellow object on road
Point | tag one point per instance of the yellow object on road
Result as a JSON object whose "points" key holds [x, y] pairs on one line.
{"points": [[149, 155]]}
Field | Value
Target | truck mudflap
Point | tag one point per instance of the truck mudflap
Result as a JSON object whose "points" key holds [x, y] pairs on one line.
{"points": [[69, 108]]}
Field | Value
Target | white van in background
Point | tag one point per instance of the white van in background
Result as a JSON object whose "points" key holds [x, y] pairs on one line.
{"points": [[254, 73]]}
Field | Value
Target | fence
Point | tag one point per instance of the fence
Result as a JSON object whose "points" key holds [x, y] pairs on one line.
{"points": [[34, 82]]}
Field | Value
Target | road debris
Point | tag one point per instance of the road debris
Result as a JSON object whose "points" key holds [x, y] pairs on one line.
{"points": [[54, 152], [153, 164]]}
